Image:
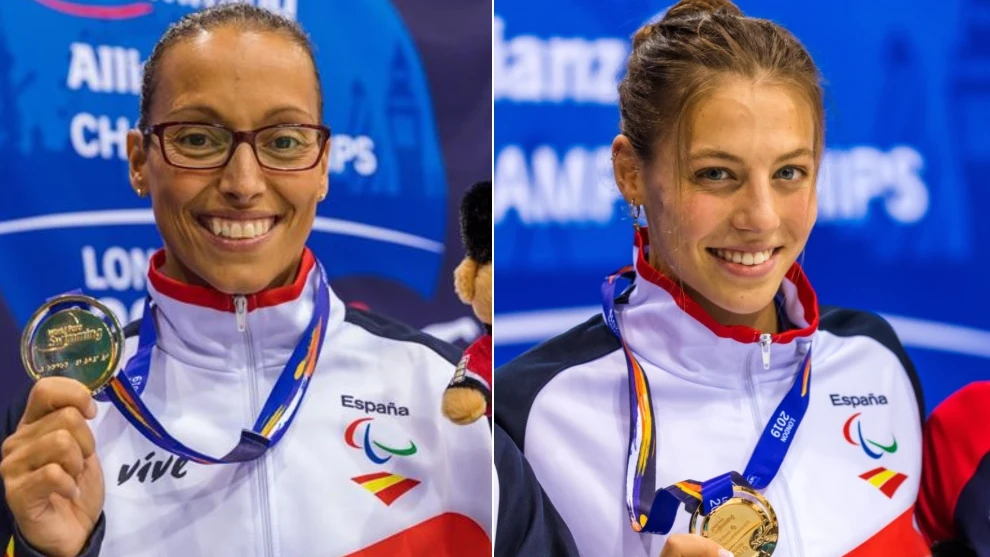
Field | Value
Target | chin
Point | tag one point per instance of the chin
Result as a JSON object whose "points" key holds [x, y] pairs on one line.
{"points": [[239, 285], [747, 303], [746, 309]]}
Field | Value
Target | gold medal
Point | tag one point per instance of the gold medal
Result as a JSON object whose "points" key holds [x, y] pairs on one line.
{"points": [[82, 340], [745, 524]]}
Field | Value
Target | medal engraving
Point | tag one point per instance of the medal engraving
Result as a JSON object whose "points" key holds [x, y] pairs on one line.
{"points": [[746, 524], [73, 336]]}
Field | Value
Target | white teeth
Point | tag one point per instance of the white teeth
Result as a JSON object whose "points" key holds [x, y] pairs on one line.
{"points": [[748, 258], [235, 229]]}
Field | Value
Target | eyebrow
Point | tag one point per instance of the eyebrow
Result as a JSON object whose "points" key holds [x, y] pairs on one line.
{"points": [[211, 113], [724, 155]]}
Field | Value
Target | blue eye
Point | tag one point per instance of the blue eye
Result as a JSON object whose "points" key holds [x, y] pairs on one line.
{"points": [[713, 174], [790, 173]]}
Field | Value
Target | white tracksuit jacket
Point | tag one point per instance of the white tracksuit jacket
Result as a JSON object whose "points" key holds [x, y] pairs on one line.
{"points": [[566, 404], [311, 495]]}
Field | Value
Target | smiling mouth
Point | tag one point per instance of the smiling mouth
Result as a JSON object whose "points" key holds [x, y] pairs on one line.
{"points": [[747, 258], [237, 229]]}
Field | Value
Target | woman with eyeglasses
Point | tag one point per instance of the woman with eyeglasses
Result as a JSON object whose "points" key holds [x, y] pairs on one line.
{"points": [[348, 454]]}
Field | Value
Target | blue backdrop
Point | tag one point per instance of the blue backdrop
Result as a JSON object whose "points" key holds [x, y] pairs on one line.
{"points": [[407, 94], [902, 194]]}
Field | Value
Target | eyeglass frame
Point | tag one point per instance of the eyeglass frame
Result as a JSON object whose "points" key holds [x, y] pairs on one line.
{"points": [[238, 137]]}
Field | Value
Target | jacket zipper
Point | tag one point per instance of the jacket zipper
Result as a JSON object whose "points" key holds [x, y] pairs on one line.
{"points": [[765, 340], [240, 312], [780, 480]]}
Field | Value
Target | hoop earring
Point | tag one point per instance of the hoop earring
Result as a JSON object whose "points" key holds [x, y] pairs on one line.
{"points": [[635, 211]]}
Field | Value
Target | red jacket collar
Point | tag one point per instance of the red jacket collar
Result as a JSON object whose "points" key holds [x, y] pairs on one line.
{"points": [[802, 310], [211, 298]]}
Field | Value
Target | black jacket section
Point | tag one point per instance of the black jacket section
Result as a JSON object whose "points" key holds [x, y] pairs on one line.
{"points": [[528, 523], [973, 508]]}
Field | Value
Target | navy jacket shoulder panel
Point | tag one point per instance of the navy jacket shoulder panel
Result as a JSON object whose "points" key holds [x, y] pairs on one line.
{"points": [[387, 327]]}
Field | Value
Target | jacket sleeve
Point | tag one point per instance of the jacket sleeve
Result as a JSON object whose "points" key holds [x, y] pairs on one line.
{"points": [[955, 467], [528, 524], [11, 541], [474, 371]]}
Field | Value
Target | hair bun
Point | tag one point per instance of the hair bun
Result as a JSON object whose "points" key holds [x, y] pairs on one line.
{"points": [[689, 8]]}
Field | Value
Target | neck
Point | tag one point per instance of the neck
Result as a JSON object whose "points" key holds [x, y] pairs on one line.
{"points": [[176, 270], [764, 320]]}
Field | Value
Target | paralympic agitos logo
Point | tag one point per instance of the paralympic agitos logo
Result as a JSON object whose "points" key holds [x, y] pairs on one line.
{"points": [[99, 9], [854, 436], [379, 453], [386, 486]]}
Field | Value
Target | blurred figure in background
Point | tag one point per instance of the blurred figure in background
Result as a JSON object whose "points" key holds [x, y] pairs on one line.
{"points": [[954, 503]]}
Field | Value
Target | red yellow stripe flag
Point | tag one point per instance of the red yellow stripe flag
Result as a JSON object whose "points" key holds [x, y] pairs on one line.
{"points": [[884, 479], [387, 487]]}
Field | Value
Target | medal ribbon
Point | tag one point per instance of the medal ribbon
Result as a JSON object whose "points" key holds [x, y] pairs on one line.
{"points": [[654, 511], [276, 415]]}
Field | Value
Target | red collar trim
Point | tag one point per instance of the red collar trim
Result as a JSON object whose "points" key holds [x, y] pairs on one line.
{"points": [[211, 298], [740, 333]]}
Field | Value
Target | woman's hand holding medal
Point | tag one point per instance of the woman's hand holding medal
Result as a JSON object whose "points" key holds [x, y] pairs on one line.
{"points": [[690, 545], [53, 479], [50, 471]]}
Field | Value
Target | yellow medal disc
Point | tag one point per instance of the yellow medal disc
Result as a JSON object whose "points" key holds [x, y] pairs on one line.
{"points": [[81, 339], [745, 524]]}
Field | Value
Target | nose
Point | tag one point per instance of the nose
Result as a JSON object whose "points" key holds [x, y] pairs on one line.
{"points": [[757, 207], [243, 179]]}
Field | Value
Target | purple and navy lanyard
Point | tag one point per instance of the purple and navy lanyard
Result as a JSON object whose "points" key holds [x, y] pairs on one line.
{"points": [[124, 390], [654, 511]]}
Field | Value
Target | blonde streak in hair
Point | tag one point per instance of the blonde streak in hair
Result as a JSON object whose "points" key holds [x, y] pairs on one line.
{"points": [[643, 34]]}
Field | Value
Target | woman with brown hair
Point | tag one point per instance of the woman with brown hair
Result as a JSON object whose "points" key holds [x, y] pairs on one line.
{"points": [[713, 379], [348, 453]]}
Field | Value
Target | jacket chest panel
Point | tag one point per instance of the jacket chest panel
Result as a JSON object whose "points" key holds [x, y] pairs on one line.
{"points": [[830, 476]]}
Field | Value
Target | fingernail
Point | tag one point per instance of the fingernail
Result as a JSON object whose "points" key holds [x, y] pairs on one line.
{"points": [[78, 494], [725, 553], [91, 409]]}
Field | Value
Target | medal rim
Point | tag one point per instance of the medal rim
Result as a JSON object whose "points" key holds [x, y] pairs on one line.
{"points": [[769, 515], [115, 330]]}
